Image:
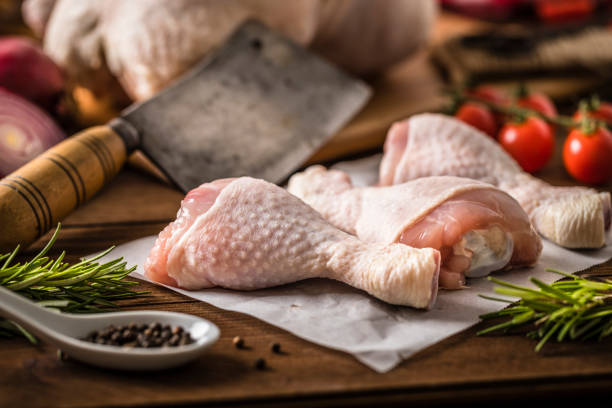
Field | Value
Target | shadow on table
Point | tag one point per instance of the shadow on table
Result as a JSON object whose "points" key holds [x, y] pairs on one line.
{"points": [[211, 369]]}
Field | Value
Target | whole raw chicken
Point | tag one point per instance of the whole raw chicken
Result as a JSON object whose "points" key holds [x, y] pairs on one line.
{"points": [[436, 145], [248, 234], [148, 43], [476, 227]]}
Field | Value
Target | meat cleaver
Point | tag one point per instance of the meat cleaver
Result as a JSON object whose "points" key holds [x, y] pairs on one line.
{"points": [[259, 105]]}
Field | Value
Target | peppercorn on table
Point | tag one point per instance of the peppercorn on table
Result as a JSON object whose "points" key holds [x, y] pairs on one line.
{"points": [[256, 364]]}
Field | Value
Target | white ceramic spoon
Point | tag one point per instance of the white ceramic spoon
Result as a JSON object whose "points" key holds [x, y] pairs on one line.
{"points": [[65, 331]]}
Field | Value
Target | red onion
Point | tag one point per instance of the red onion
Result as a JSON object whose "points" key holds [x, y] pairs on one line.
{"points": [[485, 9], [25, 132], [26, 71]]}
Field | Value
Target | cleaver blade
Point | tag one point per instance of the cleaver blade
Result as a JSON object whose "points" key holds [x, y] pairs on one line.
{"points": [[259, 106]]}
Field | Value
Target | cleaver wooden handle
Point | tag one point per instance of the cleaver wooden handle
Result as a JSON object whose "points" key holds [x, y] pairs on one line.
{"points": [[36, 196]]}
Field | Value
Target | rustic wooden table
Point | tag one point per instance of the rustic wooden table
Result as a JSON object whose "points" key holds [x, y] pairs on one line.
{"points": [[462, 370]]}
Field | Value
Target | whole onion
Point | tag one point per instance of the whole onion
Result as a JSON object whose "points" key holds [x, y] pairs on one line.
{"points": [[25, 132], [28, 72], [486, 9]]}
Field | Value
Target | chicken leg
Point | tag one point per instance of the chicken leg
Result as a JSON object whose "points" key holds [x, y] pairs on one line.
{"points": [[477, 227], [248, 234], [437, 145]]}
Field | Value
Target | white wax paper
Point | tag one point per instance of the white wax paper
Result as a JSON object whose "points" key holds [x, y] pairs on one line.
{"points": [[340, 317]]}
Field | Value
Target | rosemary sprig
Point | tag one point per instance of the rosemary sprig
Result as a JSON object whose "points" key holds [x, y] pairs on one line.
{"points": [[85, 287], [573, 308]]}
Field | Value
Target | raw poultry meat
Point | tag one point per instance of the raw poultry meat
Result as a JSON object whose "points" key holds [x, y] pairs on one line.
{"points": [[436, 145], [477, 228], [146, 44], [248, 234]]}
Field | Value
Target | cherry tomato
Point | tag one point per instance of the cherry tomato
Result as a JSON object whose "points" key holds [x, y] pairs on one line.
{"points": [[489, 94], [603, 112], [538, 102], [479, 116], [493, 95], [564, 10], [530, 143], [588, 157]]}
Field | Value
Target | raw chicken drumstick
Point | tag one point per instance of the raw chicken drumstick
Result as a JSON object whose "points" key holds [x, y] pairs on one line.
{"points": [[249, 234], [438, 145], [477, 227]]}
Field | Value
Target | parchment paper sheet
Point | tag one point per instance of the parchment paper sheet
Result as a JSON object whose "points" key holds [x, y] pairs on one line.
{"points": [[337, 316]]}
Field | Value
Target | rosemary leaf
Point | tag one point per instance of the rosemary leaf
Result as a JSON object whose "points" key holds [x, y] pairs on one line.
{"points": [[574, 308], [567, 326], [549, 333], [496, 299], [84, 287], [552, 290]]}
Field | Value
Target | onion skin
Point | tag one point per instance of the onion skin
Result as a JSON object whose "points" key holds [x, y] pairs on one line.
{"points": [[25, 132], [26, 71]]}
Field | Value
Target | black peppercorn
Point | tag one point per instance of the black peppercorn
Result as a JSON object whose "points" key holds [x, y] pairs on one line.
{"points": [[115, 337], [174, 340], [141, 335], [275, 347], [260, 364]]}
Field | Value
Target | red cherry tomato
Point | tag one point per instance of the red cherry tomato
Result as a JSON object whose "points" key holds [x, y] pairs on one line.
{"points": [[564, 10], [530, 143], [588, 157], [493, 95], [540, 103], [603, 112], [479, 116], [489, 94]]}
